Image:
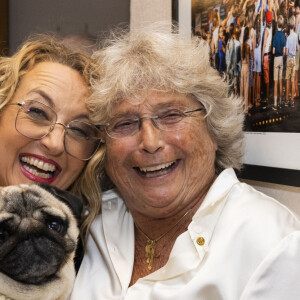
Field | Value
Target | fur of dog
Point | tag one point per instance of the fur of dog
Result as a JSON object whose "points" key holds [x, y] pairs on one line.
{"points": [[38, 239]]}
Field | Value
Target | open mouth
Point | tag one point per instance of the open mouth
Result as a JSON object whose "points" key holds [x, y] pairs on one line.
{"points": [[156, 171], [38, 169]]}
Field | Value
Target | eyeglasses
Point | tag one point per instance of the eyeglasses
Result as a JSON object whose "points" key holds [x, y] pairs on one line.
{"points": [[36, 120], [170, 119]]}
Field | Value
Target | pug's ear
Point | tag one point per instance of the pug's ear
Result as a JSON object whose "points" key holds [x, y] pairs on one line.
{"points": [[75, 203]]}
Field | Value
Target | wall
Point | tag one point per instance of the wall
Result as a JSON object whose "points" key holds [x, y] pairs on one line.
{"points": [[3, 27], [88, 17], [143, 12], [185, 17]]}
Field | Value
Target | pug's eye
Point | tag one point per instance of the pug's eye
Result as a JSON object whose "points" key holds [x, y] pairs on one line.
{"points": [[3, 234], [56, 226]]}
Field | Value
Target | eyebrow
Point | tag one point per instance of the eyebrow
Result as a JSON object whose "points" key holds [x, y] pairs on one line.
{"points": [[82, 116], [156, 107], [51, 103], [44, 95]]}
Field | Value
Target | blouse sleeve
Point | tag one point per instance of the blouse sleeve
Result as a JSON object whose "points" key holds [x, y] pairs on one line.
{"points": [[278, 275]]}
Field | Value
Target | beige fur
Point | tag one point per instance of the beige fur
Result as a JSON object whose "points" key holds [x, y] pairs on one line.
{"points": [[60, 287]]}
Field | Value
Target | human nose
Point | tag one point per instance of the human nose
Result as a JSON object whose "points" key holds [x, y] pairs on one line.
{"points": [[150, 136], [54, 140]]}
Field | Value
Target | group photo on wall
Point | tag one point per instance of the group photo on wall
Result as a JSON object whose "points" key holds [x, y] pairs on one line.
{"points": [[255, 45]]}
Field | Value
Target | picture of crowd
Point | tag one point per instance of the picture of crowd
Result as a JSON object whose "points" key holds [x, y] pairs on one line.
{"points": [[255, 46]]}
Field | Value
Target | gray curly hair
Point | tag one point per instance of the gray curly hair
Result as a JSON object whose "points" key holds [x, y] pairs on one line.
{"points": [[157, 60]]}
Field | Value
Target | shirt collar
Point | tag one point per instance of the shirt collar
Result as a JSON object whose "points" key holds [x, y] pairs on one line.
{"points": [[202, 227], [191, 246]]}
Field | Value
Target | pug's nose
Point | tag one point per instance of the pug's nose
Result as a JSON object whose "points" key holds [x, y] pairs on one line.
{"points": [[27, 225]]}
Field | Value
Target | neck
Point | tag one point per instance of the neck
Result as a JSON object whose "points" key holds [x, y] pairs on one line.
{"points": [[166, 229], [155, 226], [157, 223], [157, 249]]}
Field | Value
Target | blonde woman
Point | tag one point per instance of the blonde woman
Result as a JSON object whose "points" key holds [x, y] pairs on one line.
{"points": [[44, 87]]}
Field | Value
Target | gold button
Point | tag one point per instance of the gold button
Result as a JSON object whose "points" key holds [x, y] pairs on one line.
{"points": [[200, 241]]}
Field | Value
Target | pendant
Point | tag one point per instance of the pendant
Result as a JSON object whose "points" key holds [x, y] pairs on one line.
{"points": [[150, 252]]}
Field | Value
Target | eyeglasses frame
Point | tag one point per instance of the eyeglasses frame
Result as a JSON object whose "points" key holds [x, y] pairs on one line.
{"points": [[20, 104], [152, 118]]}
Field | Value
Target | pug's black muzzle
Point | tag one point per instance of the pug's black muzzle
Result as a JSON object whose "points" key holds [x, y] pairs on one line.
{"points": [[33, 246]]}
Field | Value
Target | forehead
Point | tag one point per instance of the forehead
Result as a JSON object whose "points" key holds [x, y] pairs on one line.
{"points": [[57, 84], [152, 101], [53, 76]]}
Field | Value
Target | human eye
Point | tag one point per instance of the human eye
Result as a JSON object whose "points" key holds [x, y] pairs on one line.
{"points": [[78, 129], [172, 115], [123, 124], [37, 112]]}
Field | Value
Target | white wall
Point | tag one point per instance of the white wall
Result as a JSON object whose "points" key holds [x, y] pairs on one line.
{"points": [[66, 17], [143, 12], [185, 17]]}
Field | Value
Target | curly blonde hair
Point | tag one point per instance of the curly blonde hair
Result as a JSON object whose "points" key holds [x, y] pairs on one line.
{"points": [[154, 59], [45, 48]]}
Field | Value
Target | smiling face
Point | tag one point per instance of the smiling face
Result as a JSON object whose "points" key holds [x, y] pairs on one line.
{"points": [[24, 160], [161, 173]]}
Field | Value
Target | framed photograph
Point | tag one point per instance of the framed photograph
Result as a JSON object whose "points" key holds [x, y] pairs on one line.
{"points": [[272, 133]]}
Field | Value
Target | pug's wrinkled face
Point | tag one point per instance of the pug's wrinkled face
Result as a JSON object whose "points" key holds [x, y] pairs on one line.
{"points": [[38, 238]]}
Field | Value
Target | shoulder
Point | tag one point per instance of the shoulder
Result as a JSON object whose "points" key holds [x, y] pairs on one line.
{"points": [[277, 276], [256, 224], [247, 207], [260, 214], [282, 35]]}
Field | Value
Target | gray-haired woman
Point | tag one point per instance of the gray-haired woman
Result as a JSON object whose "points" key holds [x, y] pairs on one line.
{"points": [[177, 223]]}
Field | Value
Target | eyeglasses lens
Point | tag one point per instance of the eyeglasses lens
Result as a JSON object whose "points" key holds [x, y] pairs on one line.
{"points": [[170, 119], [81, 139], [35, 120]]}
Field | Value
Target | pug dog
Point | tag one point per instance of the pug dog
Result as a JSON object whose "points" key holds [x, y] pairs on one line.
{"points": [[38, 238]]}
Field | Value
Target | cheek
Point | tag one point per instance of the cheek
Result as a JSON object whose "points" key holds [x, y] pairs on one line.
{"points": [[79, 165], [117, 152], [74, 168], [200, 147]]}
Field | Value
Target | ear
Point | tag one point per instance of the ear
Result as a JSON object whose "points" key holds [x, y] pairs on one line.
{"points": [[75, 203]]}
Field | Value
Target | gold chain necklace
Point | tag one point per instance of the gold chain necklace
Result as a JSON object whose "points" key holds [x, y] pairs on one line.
{"points": [[151, 243]]}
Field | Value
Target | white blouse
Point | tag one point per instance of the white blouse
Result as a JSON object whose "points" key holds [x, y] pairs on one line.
{"points": [[251, 251]]}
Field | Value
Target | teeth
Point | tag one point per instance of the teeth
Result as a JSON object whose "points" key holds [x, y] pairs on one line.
{"points": [[156, 168], [36, 173], [39, 164]]}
